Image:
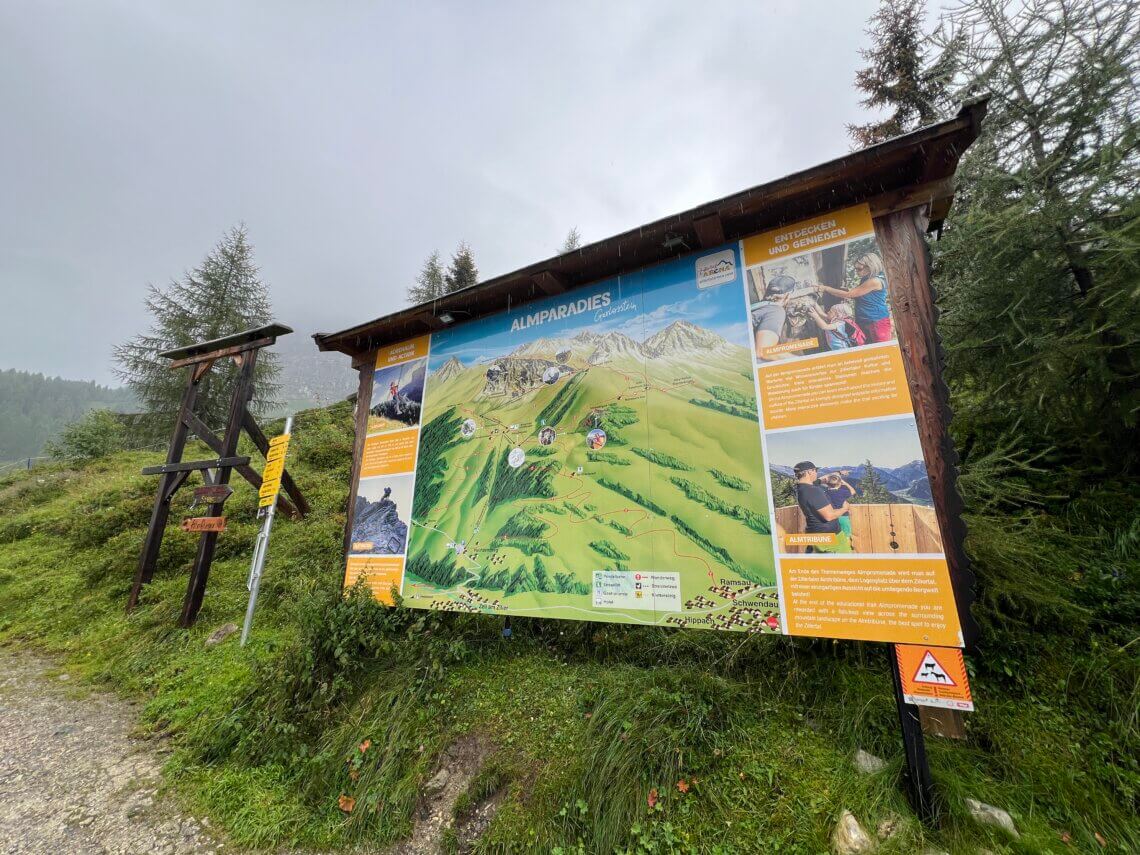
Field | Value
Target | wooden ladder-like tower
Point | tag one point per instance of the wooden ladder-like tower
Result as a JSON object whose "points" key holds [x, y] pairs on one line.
{"points": [[243, 349]]}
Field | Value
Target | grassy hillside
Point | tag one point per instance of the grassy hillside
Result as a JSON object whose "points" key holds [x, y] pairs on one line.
{"points": [[743, 743]]}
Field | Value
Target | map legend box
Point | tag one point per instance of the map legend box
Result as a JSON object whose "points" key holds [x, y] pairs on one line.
{"points": [[617, 589]]}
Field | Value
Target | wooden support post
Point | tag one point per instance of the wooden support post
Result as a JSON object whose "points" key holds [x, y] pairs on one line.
{"points": [[166, 488], [243, 391], [919, 782], [906, 258], [948, 724], [363, 400]]}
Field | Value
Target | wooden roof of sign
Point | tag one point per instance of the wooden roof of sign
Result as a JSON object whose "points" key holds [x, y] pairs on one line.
{"points": [[237, 340], [901, 172]]}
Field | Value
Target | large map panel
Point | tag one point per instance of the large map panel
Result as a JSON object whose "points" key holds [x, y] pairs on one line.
{"points": [[597, 456]]}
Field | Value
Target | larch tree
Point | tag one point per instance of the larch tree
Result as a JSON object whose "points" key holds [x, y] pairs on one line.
{"points": [[1039, 267], [221, 296]]}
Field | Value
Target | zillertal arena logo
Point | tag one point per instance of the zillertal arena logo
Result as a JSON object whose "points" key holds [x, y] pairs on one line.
{"points": [[716, 269]]}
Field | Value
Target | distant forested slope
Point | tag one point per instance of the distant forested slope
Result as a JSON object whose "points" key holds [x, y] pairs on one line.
{"points": [[33, 408]]}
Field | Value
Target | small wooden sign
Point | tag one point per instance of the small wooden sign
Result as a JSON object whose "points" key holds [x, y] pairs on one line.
{"points": [[202, 524], [213, 494]]}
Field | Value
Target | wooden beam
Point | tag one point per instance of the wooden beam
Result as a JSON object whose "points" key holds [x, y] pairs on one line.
{"points": [[176, 482], [234, 350], [549, 283], [200, 571], [194, 465], [200, 370], [710, 230], [160, 513], [243, 337], [911, 197]]}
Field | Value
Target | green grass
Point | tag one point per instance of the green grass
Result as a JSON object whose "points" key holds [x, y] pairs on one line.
{"points": [[583, 720]]}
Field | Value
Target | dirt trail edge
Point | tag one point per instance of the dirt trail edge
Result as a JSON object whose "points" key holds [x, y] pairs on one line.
{"points": [[72, 780]]}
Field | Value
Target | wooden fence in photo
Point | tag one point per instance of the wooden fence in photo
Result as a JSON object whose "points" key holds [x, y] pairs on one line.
{"points": [[881, 529]]}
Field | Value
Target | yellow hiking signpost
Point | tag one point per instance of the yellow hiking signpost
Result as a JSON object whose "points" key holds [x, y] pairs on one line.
{"points": [[267, 509], [274, 469]]}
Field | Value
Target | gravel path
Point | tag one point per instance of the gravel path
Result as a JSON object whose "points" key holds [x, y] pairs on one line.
{"points": [[71, 778]]}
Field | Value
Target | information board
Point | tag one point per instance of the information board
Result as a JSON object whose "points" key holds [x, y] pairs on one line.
{"points": [[726, 441]]}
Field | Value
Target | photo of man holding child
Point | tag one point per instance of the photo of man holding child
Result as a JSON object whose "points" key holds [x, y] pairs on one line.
{"points": [[859, 487]]}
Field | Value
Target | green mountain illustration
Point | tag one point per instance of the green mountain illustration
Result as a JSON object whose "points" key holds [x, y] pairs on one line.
{"points": [[677, 408]]}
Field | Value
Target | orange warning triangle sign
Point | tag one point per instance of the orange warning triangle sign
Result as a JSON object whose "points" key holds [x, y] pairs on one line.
{"points": [[933, 676], [930, 670]]}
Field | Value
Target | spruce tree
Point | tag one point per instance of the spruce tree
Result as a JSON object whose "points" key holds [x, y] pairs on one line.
{"points": [[429, 282], [461, 273], [872, 490], [896, 77], [221, 296], [572, 242]]}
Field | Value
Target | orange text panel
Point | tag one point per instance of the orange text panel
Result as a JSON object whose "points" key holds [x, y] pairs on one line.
{"points": [[389, 453], [806, 235], [402, 352], [381, 573], [862, 384], [905, 600]]}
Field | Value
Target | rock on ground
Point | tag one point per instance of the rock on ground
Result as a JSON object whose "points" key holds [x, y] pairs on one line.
{"points": [[868, 763], [849, 838], [990, 815], [221, 634]]}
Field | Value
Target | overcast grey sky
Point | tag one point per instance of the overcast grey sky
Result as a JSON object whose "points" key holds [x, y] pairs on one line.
{"points": [[354, 138]]}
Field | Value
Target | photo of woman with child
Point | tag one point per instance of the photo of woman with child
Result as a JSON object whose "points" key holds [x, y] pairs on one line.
{"points": [[791, 301]]}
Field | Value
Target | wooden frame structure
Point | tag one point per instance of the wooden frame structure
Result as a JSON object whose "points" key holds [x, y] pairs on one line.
{"points": [[906, 182], [243, 349]]}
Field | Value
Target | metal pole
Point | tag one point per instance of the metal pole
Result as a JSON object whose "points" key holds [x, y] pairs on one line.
{"points": [[260, 549], [919, 782]]}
